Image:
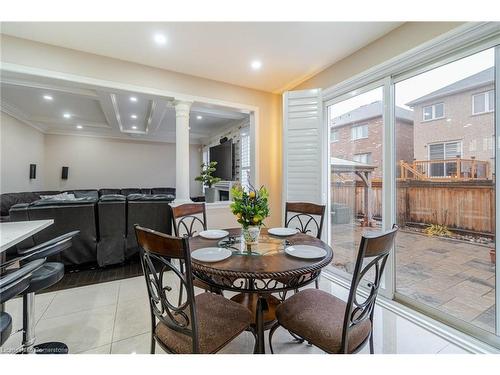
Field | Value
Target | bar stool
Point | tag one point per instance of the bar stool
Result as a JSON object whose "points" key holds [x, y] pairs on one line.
{"points": [[13, 283], [45, 276]]}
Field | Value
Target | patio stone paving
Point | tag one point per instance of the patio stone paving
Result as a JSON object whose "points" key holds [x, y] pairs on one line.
{"points": [[455, 277]]}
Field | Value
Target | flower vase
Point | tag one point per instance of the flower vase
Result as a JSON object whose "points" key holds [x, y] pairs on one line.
{"points": [[251, 234]]}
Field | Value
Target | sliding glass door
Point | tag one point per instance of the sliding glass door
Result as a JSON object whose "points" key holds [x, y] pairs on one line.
{"points": [[356, 136], [418, 149], [445, 261]]}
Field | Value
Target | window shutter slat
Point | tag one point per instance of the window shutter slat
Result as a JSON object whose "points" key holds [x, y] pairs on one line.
{"points": [[303, 146]]}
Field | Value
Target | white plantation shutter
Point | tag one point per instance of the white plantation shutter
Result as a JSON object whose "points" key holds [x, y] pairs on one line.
{"points": [[303, 146], [245, 158]]}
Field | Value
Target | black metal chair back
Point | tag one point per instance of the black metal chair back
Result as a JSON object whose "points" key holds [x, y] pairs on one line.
{"points": [[305, 217], [160, 249], [375, 249], [189, 218]]}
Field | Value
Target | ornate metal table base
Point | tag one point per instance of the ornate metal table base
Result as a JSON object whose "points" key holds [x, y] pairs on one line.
{"points": [[258, 271]]}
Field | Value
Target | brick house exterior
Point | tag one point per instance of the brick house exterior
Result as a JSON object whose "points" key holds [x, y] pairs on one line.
{"points": [[344, 145], [457, 122]]}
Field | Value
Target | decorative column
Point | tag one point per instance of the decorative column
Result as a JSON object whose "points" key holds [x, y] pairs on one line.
{"points": [[182, 152]]}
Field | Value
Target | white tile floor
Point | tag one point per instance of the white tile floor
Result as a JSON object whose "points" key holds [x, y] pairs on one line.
{"points": [[114, 318]]}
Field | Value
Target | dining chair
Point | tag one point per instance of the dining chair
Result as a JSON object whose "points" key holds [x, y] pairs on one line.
{"points": [[204, 323], [187, 220], [307, 218], [330, 323]]}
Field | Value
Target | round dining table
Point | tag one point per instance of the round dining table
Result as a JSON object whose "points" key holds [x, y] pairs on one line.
{"points": [[258, 271]]}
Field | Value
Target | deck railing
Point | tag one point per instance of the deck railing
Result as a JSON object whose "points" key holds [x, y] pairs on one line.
{"points": [[457, 169]]}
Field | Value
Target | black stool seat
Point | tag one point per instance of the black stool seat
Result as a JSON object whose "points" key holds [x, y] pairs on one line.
{"points": [[45, 276], [14, 282], [5, 326]]}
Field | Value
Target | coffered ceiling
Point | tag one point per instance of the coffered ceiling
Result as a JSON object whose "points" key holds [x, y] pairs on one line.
{"points": [[57, 107]]}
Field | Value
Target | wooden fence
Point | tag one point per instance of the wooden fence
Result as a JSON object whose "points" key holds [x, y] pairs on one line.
{"points": [[466, 205]]}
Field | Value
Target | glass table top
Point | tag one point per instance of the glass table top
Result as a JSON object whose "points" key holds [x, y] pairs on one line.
{"points": [[266, 246]]}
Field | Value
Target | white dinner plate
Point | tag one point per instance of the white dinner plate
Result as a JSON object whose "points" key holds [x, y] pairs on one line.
{"points": [[305, 251], [211, 254], [214, 234], [282, 232]]}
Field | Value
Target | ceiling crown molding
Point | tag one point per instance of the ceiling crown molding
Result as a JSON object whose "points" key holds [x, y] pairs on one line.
{"points": [[20, 116]]}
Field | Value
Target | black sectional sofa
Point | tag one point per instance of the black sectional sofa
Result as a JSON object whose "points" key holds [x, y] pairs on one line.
{"points": [[105, 219]]}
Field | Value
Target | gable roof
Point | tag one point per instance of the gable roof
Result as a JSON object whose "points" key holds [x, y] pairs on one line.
{"points": [[476, 80], [369, 111]]}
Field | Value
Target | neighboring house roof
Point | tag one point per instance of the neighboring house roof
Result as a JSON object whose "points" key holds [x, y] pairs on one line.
{"points": [[482, 78], [367, 112]]}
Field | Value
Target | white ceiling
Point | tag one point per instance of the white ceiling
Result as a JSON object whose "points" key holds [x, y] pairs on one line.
{"points": [[97, 111], [290, 51]]}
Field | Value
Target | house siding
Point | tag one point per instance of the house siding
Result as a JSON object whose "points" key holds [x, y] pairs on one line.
{"points": [[475, 132], [347, 148]]}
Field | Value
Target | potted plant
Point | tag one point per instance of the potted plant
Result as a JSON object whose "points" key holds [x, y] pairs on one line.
{"points": [[208, 180], [250, 208]]}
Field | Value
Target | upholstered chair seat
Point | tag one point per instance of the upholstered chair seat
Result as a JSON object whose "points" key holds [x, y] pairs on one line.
{"points": [[219, 321], [309, 313], [330, 323]]}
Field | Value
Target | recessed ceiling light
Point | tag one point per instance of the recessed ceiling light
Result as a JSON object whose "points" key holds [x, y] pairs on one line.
{"points": [[134, 127], [160, 39], [133, 116], [48, 97], [199, 117], [256, 64], [79, 127], [133, 99], [67, 115]]}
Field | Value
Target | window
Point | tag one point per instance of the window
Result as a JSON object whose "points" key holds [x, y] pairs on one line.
{"points": [[359, 132], [362, 158], [483, 102], [245, 158], [334, 136], [433, 112], [444, 151]]}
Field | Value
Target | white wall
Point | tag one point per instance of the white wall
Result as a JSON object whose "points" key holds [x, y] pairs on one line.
{"points": [[113, 163], [21, 145]]}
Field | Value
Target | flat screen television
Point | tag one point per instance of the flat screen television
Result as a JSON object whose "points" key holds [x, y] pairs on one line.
{"points": [[223, 155]]}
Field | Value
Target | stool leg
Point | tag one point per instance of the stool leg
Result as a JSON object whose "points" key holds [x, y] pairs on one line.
{"points": [[28, 322]]}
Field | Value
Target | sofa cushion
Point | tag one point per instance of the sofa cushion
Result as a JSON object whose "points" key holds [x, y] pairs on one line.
{"points": [[62, 202], [149, 197], [163, 190], [112, 198], [10, 199], [109, 191], [129, 191]]}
